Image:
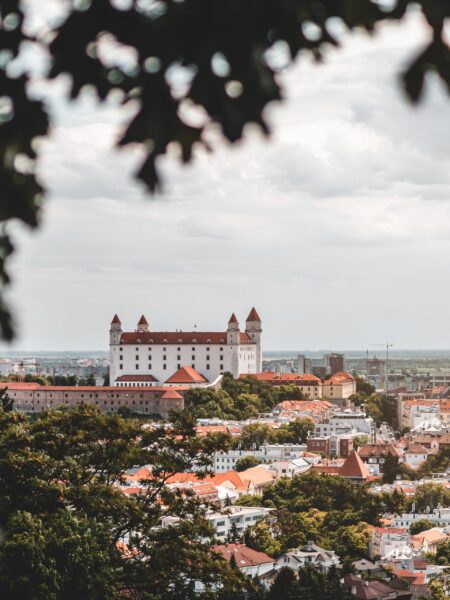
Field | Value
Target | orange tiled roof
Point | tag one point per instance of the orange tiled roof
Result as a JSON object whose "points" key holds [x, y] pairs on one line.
{"points": [[339, 378], [244, 556], [253, 315], [354, 467], [186, 375]]}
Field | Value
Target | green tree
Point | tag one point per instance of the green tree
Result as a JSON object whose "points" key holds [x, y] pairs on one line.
{"points": [[6, 402], [363, 387], [360, 440], [246, 462], [391, 468], [443, 553], [285, 586], [255, 435], [431, 495], [61, 515], [420, 525]]}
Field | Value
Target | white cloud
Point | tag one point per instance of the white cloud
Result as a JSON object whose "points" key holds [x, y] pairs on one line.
{"points": [[337, 229]]}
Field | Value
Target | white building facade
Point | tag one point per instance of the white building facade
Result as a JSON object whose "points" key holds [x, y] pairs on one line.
{"points": [[156, 356]]}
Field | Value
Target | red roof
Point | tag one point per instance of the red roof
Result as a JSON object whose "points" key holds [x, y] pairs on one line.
{"points": [[116, 320], [253, 315], [339, 379], [233, 319], [186, 375], [136, 378], [244, 556], [371, 450], [142, 321], [271, 376], [354, 468], [179, 337], [368, 590], [171, 395]]}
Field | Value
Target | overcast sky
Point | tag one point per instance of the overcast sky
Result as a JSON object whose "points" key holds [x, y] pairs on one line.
{"points": [[337, 229]]}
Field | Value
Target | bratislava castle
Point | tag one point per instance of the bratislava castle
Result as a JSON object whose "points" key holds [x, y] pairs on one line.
{"points": [[144, 357]]}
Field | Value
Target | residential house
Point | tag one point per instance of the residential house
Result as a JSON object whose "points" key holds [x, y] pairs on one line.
{"points": [[248, 561], [309, 555]]}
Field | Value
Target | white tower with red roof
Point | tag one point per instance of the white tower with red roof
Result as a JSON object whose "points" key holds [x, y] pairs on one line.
{"points": [[142, 325], [253, 328]]}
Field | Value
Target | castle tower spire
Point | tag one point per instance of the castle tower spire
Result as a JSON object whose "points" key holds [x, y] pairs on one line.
{"points": [[253, 328], [142, 324]]}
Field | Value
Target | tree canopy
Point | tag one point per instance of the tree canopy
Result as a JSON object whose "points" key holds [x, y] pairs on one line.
{"points": [[213, 56], [68, 533]]}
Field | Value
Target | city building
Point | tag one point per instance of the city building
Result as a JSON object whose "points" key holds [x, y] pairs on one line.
{"points": [[336, 363], [309, 555], [156, 400], [339, 387], [159, 355]]}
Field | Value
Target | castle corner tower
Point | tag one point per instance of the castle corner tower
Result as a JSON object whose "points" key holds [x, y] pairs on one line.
{"points": [[253, 328]]}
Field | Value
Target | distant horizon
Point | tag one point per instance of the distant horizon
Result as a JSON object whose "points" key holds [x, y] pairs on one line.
{"points": [[371, 351]]}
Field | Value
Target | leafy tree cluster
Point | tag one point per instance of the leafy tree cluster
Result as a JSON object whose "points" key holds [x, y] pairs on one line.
{"points": [[331, 510], [308, 584], [438, 463], [62, 519], [255, 435], [238, 398], [59, 380]]}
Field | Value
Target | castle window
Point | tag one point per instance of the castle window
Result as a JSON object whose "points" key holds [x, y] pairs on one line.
{"points": [[137, 356], [193, 357], [137, 349], [207, 357], [221, 349], [164, 367], [137, 366], [193, 366], [221, 367], [178, 366], [164, 357], [221, 357], [178, 357], [121, 349], [138, 341], [165, 341], [121, 357], [150, 366], [207, 347], [207, 367], [194, 341], [179, 341]]}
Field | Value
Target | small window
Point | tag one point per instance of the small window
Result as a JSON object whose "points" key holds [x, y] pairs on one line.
{"points": [[207, 367], [121, 357], [164, 367], [121, 366], [221, 357], [137, 357], [150, 367], [221, 367], [179, 341], [164, 357], [137, 348], [149, 357], [221, 349], [193, 357], [178, 366], [207, 357], [137, 367], [121, 349], [179, 357]]}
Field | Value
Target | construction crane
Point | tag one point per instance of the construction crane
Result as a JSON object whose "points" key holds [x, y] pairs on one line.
{"points": [[386, 345]]}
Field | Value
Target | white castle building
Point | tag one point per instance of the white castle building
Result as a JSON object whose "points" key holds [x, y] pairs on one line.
{"points": [[144, 357]]}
